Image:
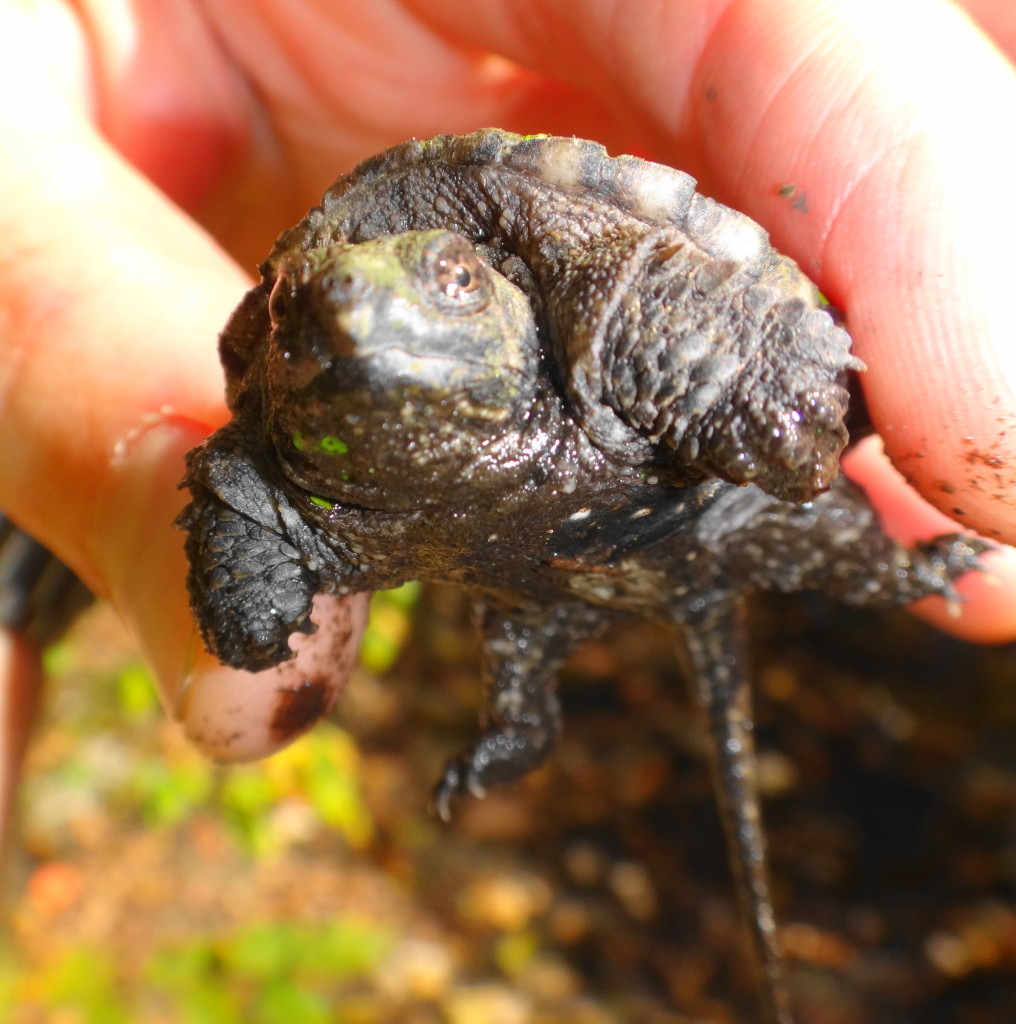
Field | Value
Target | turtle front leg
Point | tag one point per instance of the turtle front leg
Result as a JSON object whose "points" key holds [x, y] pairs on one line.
{"points": [[255, 563], [714, 645], [523, 647]]}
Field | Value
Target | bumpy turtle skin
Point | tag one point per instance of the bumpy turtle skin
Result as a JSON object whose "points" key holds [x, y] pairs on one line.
{"points": [[236, 527], [671, 315], [645, 420]]}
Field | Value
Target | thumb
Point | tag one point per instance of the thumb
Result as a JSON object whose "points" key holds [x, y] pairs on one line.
{"points": [[110, 301]]}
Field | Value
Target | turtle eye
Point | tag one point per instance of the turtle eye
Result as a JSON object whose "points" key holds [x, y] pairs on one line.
{"points": [[462, 278]]}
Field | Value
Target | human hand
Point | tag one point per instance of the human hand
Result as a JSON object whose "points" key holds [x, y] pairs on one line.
{"points": [[133, 140]]}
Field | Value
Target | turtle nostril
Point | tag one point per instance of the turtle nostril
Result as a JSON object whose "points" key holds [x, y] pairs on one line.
{"points": [[339, 288], [280, 302]]}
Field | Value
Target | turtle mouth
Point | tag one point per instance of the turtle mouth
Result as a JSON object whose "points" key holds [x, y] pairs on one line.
{"points": [[387, 378]]}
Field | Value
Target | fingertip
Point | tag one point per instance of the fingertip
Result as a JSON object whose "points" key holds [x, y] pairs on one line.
{"points": [[986, 612], [234, 716], [229, 714], [833, 125]]}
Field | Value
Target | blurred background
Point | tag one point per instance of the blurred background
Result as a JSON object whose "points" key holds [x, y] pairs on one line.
{"points": [[148, 886]]}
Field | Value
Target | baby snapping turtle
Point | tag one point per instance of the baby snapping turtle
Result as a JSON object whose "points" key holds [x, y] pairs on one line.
{"points": [[568, 383]]}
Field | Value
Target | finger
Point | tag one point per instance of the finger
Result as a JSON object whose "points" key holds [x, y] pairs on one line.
{"points": [[333, 82], [753, 98], [110, 298], [233, 716], [108, 370], [984, 612], [997, 18], [163, 95], [902, 238], [833, 124], [20, 688]]}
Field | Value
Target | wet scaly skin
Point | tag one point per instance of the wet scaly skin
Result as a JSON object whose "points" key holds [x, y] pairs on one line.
{"points": [[563, 381]]}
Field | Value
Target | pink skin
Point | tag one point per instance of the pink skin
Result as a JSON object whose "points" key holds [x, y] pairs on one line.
{"points": [[232, 720], [20, 684], [146, 142]]}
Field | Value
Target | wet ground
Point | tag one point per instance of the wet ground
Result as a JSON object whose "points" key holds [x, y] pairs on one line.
{"points": [[318, 888]]}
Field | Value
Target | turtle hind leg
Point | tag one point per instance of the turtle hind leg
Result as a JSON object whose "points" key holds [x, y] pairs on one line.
{"points": [[523, 647], [715, 652]]}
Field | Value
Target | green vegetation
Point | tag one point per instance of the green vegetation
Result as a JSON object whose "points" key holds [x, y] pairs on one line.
{"points": [[273, 973], [108, 781]]}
